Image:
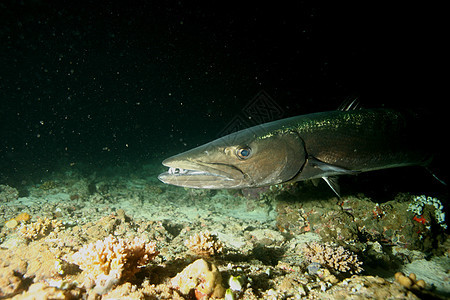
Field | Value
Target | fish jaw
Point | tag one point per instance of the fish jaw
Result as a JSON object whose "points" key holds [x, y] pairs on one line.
{"points": [[196, 174]]}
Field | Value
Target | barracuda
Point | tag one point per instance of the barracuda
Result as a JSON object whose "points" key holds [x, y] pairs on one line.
{"points": [[319, 145]]}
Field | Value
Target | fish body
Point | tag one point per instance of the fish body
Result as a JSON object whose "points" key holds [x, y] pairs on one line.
{"points": [[318, 145]]}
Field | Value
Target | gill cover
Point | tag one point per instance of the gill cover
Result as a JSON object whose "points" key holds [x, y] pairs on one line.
{"points": [[269, 159]]}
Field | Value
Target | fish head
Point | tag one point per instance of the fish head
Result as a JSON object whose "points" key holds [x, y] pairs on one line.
{"points": [[252, 157]]}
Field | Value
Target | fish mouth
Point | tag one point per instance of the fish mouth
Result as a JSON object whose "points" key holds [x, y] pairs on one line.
{"points": [[197, 174]]}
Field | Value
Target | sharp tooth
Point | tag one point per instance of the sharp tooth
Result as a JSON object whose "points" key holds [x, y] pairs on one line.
{"points": [[173, 170]]}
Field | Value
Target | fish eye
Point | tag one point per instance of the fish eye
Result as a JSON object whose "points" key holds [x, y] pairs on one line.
{"points": [[243, 153]]}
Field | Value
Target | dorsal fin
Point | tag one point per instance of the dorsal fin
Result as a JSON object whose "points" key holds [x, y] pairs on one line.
{"points": [[349, 105]]}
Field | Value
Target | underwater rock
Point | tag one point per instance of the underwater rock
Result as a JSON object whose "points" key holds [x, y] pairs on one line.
{"points": [[10, 282], [201, 278], [35, 260]]}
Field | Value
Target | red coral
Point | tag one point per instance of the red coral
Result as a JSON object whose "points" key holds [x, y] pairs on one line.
{"points": [[420, 219]]}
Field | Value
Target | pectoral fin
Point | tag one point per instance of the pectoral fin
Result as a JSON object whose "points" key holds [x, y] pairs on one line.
{"points": [[333, 184], [329, 168], [315, 168]]}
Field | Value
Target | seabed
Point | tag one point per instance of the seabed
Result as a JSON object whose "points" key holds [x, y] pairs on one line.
{"points": [[141, 239]]}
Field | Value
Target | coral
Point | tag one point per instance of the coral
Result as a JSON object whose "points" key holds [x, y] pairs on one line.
{"points": [[42, 227], [410, 282], [8, 193], [201, 277], [204, 244], [417, 208], [336, 258], [110, 260]]}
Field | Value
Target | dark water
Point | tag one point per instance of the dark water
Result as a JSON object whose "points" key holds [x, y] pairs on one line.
{"points": [[109, 83]]}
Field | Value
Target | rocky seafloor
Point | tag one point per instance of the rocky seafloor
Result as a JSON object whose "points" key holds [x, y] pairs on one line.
{"points": [[90, 236]]}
